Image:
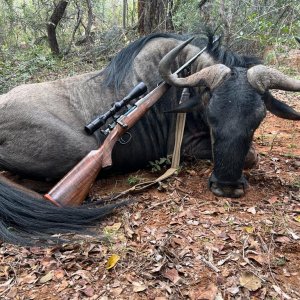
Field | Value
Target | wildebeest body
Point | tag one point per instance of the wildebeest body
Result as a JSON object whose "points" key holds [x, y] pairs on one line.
{"points": [[42, 125]]}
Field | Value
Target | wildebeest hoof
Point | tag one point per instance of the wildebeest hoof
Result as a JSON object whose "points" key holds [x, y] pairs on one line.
{"points": [[251, 159], [228, 191]]}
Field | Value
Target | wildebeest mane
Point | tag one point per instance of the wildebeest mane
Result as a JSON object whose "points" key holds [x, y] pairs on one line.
{"points": [[227, 57], [120, 65]]}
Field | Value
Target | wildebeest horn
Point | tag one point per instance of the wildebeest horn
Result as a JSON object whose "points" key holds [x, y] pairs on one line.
{"points": [[211, 76], [263, 78]]}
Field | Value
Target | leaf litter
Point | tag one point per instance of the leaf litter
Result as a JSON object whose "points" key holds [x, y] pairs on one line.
{"points": [[182, 242]]}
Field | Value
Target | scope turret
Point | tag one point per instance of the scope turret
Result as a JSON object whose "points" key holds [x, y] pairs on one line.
{"points": [[99, 121]]}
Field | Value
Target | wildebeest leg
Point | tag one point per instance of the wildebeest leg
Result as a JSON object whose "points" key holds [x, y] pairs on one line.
{"points": [[251, 158], [196, 144]]}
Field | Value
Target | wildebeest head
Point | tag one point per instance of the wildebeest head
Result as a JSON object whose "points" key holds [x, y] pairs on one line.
{"points": [[238, 101]]}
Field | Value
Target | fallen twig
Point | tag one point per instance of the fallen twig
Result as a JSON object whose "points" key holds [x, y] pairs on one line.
{"points": [[208, 264], [263, 243], [160, 203]]}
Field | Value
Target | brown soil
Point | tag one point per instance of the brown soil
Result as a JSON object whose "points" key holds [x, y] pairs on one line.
{"points": [[180, 241]]}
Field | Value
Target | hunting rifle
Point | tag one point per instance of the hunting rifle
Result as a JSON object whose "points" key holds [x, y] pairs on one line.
{"points": [[73, 188]]}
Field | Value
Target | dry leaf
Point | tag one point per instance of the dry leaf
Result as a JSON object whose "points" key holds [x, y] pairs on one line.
{"points": [[226, 272], [158, 267], [138, 287], [59, 273], [297, 218], [112, 261], [250, 281], [280, 292], [117, 291], [273, 199], [258, 258], [4, 271], [209, 212], [88, 291], [253, 244], [7, 283], [62, 285], [233, 290], [282, 239], [294, 235], [191, 172], [128, 231], [219, 296], [172, 275], [83, 274], [30, 278], [204, 292], [12, 293], [249, 229], [223, 261], [47, 277], [252, 210], [113, 228]]}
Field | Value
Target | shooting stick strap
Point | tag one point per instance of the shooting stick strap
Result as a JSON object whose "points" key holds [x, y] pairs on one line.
{"points": [[179, 131]]}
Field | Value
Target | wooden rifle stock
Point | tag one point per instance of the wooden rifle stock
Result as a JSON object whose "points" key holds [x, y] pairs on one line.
{"points": [[74, 187]]}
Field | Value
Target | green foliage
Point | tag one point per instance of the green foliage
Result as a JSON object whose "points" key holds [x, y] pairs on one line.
{"points": [[160, 164], [247, 26], [24, 65], [133, 180], [186, 17], [296, 182]]}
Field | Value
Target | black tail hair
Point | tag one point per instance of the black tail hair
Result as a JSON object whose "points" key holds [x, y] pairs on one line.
{"points": [[28, 219], [227, 57]]}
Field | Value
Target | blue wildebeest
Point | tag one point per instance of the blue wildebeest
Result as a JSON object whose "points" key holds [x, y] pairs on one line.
{"points": [[42, 125]]}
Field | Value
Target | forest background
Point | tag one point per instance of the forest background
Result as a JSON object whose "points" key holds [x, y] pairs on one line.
{"points": [[164, 239], [42, 39]]}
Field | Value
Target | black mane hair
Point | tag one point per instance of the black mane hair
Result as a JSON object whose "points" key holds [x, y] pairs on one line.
{"points": [[227, 57], [121, 64]]}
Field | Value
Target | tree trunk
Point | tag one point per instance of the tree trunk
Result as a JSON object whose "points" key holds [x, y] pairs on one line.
{"points": [[90, 20], [125, 10], [52, 24], [155, 15]]}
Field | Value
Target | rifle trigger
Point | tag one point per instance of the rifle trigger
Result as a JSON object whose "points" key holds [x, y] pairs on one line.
{"points": [[123, 141]]}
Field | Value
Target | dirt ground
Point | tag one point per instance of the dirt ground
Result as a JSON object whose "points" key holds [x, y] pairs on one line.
{"points": [[180, 241]]}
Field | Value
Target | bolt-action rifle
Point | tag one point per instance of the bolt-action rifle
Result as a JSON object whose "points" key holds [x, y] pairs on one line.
{"points": [[73, 188]]}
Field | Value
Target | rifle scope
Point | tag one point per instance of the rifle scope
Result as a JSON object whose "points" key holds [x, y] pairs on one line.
{"points": [[99, 121]]}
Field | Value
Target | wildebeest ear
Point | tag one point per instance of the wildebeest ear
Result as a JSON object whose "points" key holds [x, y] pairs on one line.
{"points": [[186, 106], [279, 108]]}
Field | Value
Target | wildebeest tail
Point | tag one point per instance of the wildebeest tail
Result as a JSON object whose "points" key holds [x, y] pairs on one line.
{"points": [[27, 219]]}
